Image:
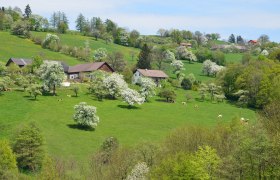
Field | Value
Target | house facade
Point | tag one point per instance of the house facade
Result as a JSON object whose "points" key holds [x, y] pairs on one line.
{"points": [[83, 70], [156, 75]]}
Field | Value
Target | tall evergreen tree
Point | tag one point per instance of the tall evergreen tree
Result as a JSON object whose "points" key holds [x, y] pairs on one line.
{"points": [[80, 22], [144, 58], [231, 38], [239, 40], [27, 11]]}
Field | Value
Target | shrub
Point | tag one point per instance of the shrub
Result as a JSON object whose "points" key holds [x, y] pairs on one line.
{"points": [[168, 94], [28, 147], [85, 115], [8, 164], [186, 84]]}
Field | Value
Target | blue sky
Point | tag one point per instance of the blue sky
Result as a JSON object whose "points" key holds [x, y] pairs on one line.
{"points": [[249, 18]]}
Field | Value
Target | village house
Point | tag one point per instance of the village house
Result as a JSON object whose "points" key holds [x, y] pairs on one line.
{"points": [[187, 45], [83, 70], [73, 72], [156, 75], [253, 42]]}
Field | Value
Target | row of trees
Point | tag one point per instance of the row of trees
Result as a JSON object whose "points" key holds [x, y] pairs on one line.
{"points": [[107, 30]]}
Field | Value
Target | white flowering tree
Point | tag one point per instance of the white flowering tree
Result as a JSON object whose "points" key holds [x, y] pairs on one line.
{"points": [[52, 75], [139, 172], [183, 53], [132, 97], [211, 68], [178, 66], [169, 56], [265, 52], [50, 38], [100, 54], [85, 115], [148, 87], [115, 84]]}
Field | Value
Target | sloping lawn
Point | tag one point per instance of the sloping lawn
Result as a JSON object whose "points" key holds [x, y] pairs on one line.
{"points": [[13, 46], [150, 122], [79, 41]]}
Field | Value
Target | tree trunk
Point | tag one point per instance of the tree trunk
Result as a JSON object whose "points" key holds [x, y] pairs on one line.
{"points": [[54, 90]]}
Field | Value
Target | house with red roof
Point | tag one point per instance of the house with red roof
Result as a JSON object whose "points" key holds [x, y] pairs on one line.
{"points": [[253, 42], [156, 75]]}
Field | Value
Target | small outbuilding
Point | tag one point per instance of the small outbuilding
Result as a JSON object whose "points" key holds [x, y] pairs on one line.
{"points": [[19, 61], [156, 75]]}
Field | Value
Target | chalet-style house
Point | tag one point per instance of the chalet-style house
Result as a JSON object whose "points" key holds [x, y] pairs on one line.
{"points": [[73, 72], [19, 61], [253, 42], [81, 70], [187, 45], [156, 75]]}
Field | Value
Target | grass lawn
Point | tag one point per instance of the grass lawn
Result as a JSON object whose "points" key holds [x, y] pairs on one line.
{"points": [[233, 57], [150, 122], [79, 41], [13, 46]]}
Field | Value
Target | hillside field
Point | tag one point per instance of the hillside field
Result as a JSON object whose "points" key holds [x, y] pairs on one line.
{"points": [[150, 122]]}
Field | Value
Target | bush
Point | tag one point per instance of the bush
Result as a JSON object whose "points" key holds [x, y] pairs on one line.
{"points": [[28, 147], [85, 115], [186, 84], [8, 164], [219, 57], [168, 94]]}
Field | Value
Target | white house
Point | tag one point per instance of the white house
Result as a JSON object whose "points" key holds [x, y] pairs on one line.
{"points": [[156, 75]]}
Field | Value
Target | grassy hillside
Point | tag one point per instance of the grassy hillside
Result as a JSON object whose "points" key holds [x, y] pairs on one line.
{"points": [[13, 46], [150, 122], [79, 41]]}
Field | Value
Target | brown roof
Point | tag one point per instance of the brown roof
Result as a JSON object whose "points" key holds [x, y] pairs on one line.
{"points": [[85, 67], [152, 73], [20, 61]]}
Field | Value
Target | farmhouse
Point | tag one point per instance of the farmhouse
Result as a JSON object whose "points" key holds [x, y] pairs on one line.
{"points": [[187, 45], [19, 61], [81, 70], [156, 75], [253, 42], [73, 72]]}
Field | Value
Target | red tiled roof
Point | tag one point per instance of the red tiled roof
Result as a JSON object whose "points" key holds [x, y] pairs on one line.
{"points": [[152, 73], [85, 67]]}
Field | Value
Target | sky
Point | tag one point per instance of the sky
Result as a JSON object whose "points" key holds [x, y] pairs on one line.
{"points": [[248, 18]]}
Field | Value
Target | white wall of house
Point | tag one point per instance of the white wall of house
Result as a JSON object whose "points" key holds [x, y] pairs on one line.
{"points": [[73, 76], [136, 77]]}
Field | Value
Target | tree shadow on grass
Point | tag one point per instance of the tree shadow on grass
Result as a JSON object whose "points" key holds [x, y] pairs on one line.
{"points": [[161, 100], [128, 107], [77, 126]]}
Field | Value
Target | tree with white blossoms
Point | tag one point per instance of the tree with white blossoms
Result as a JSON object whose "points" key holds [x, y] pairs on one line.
{"points": [[115, 84], [85, 115], [183, 53], [211, 68], [265, 52], [169, 56], [139, 172], [132, 97], [148, 87], [52, 75], [100, 54], [50, 38], [178, 67]]}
